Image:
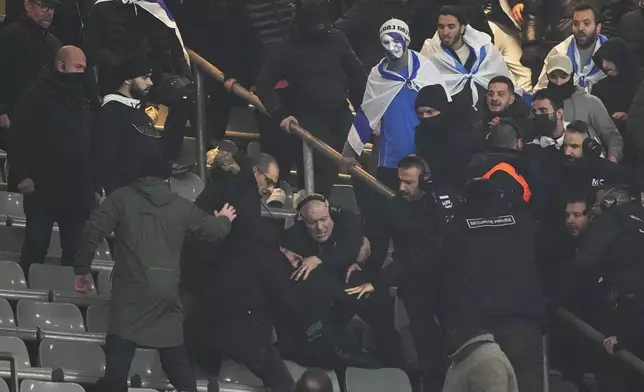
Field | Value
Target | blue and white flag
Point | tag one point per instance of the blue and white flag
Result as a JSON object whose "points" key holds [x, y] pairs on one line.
{"points": [[159, 10], [382, 87], [488, 63], [586, 75]]}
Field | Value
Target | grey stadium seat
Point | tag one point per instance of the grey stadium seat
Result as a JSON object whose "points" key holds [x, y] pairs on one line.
{"points": [[236, 373], [147, 364], [52, 277], [376, 380], [6, 314], [87, 359], [42, 386], [3, 386], [187, 185], [103, 252], [97, 318], [16, 347], [57, 317], [11, 205], [141, 390], [11, 276], [105, 283], [297, 371]]}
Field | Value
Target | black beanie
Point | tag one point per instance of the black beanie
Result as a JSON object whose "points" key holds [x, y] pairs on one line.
{"points": [[432, 96], [132, 68]]}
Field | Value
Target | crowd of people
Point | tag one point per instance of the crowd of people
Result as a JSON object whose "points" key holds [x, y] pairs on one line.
{"points": [[512, 133]]}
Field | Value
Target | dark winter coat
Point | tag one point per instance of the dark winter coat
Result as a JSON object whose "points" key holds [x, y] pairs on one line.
{"points": [[118, 31], [51, 136], [483, 162], [321, 76], [150, 224], [631, 30], [26, 48], [635, 124], [123, 136]]}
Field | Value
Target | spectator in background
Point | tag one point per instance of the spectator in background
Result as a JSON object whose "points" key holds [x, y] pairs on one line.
{"points": [[322, 71], [117, 31], [26, 46], [457, 51], [50, 158], [579, 48], [631, 30], [618, 88], [581, 106], [502, 102], [314, 380], [150, 223], [124, 134]]}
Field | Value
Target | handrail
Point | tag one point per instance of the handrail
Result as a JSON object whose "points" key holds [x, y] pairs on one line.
{"points": [[13, 368], [203, 65], [596, 336]]}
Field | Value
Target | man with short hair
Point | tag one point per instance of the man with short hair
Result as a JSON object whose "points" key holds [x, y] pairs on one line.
{"points": [[124, 133], [465, 57], [314, 380], [26, 46], [51, 159], [579, 48], [579, 105], [502, 102]]}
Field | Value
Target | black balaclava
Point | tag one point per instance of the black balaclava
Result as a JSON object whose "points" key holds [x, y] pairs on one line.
{"points": [[564, 91], [432, 96], [312, 18]]}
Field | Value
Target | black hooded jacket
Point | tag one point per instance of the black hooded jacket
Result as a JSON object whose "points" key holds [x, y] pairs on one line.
{"points": [[616, 92], [631, 30], [519, 111]]}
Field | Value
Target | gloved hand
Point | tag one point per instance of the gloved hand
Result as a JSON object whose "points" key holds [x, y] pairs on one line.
{"points": [[532, 55]]}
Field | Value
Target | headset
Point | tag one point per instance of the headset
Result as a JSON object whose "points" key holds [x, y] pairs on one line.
{"points": [[591, 148], [610, 200], [315, 197], [425, 182]]}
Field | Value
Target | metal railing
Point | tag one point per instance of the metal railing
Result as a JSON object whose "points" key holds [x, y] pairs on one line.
{"points": [[310, 142]]}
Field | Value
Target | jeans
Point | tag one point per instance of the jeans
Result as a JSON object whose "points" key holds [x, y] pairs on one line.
{"points": [[118, 357], [40, 223]]}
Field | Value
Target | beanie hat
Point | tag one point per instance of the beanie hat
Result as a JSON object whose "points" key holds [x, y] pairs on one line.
{"points": [[432, 96], [133, 67], [396, 26]]}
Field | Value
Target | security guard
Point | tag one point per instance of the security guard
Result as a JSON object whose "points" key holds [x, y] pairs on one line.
{"points": [[416, 219], [611, 253], [489, 280]]}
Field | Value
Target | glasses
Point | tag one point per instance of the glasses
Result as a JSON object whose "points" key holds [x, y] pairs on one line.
{"points": [[43, 8], [269, 181]]}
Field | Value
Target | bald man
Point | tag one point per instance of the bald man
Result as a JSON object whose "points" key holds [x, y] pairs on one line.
{"points": [[50, 160]]}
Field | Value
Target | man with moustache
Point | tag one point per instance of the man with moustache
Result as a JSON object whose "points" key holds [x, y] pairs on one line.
{"points": [[51, 157], [123, 132], [580, 48], [26, 46]]}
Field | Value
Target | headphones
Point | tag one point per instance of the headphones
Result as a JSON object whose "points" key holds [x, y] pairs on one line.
{"points": [[591, 148], [425, 181], [609, 201], [315, 197]]}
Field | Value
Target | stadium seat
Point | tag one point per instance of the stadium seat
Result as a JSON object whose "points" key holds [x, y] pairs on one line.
{"points": [[11, 205], [236, 373], [55, 251], [11, 240], [103, 252], [42, 386], [253, 149], [3, 386], [147, 364], [376, 380], [52, 277], [15, 346], [297, 371], [6, 314], [87, 359], [11, 276], [57, 317], [141, 390], [97, 319], [288, 222], [187, 185], [105, 283]]}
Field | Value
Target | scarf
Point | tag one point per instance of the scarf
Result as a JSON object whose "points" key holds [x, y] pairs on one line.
{"points": [[382, 87], [131, 102]]}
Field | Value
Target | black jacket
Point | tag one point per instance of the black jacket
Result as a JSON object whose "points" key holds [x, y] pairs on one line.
{"points": [[616, 92], [118, 31], [519, 111], [489, 267], [483, 162], [631, 30], [26, 48], [52, 141], [595, 173], [635, 125], [321, 75], [338, 252], [123, 137]]}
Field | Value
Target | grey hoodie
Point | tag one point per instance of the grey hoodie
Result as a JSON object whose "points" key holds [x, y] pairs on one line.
{"points": [[589, 109], [150, 223]]}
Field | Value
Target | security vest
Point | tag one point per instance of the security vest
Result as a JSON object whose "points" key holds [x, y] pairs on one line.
{"points": [[509, 169]]}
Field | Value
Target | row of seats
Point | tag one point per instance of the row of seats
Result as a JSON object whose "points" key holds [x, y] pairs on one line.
{"points": [[44, 386], [47, 277]]}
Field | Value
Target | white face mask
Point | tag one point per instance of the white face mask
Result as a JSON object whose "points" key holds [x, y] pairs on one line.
{"points": [[394, 47]]}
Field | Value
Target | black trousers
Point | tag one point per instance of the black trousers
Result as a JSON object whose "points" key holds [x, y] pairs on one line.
{"points": [[118, 357], [40, 223], [521, 341], [285, 148], [174, 128]]}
